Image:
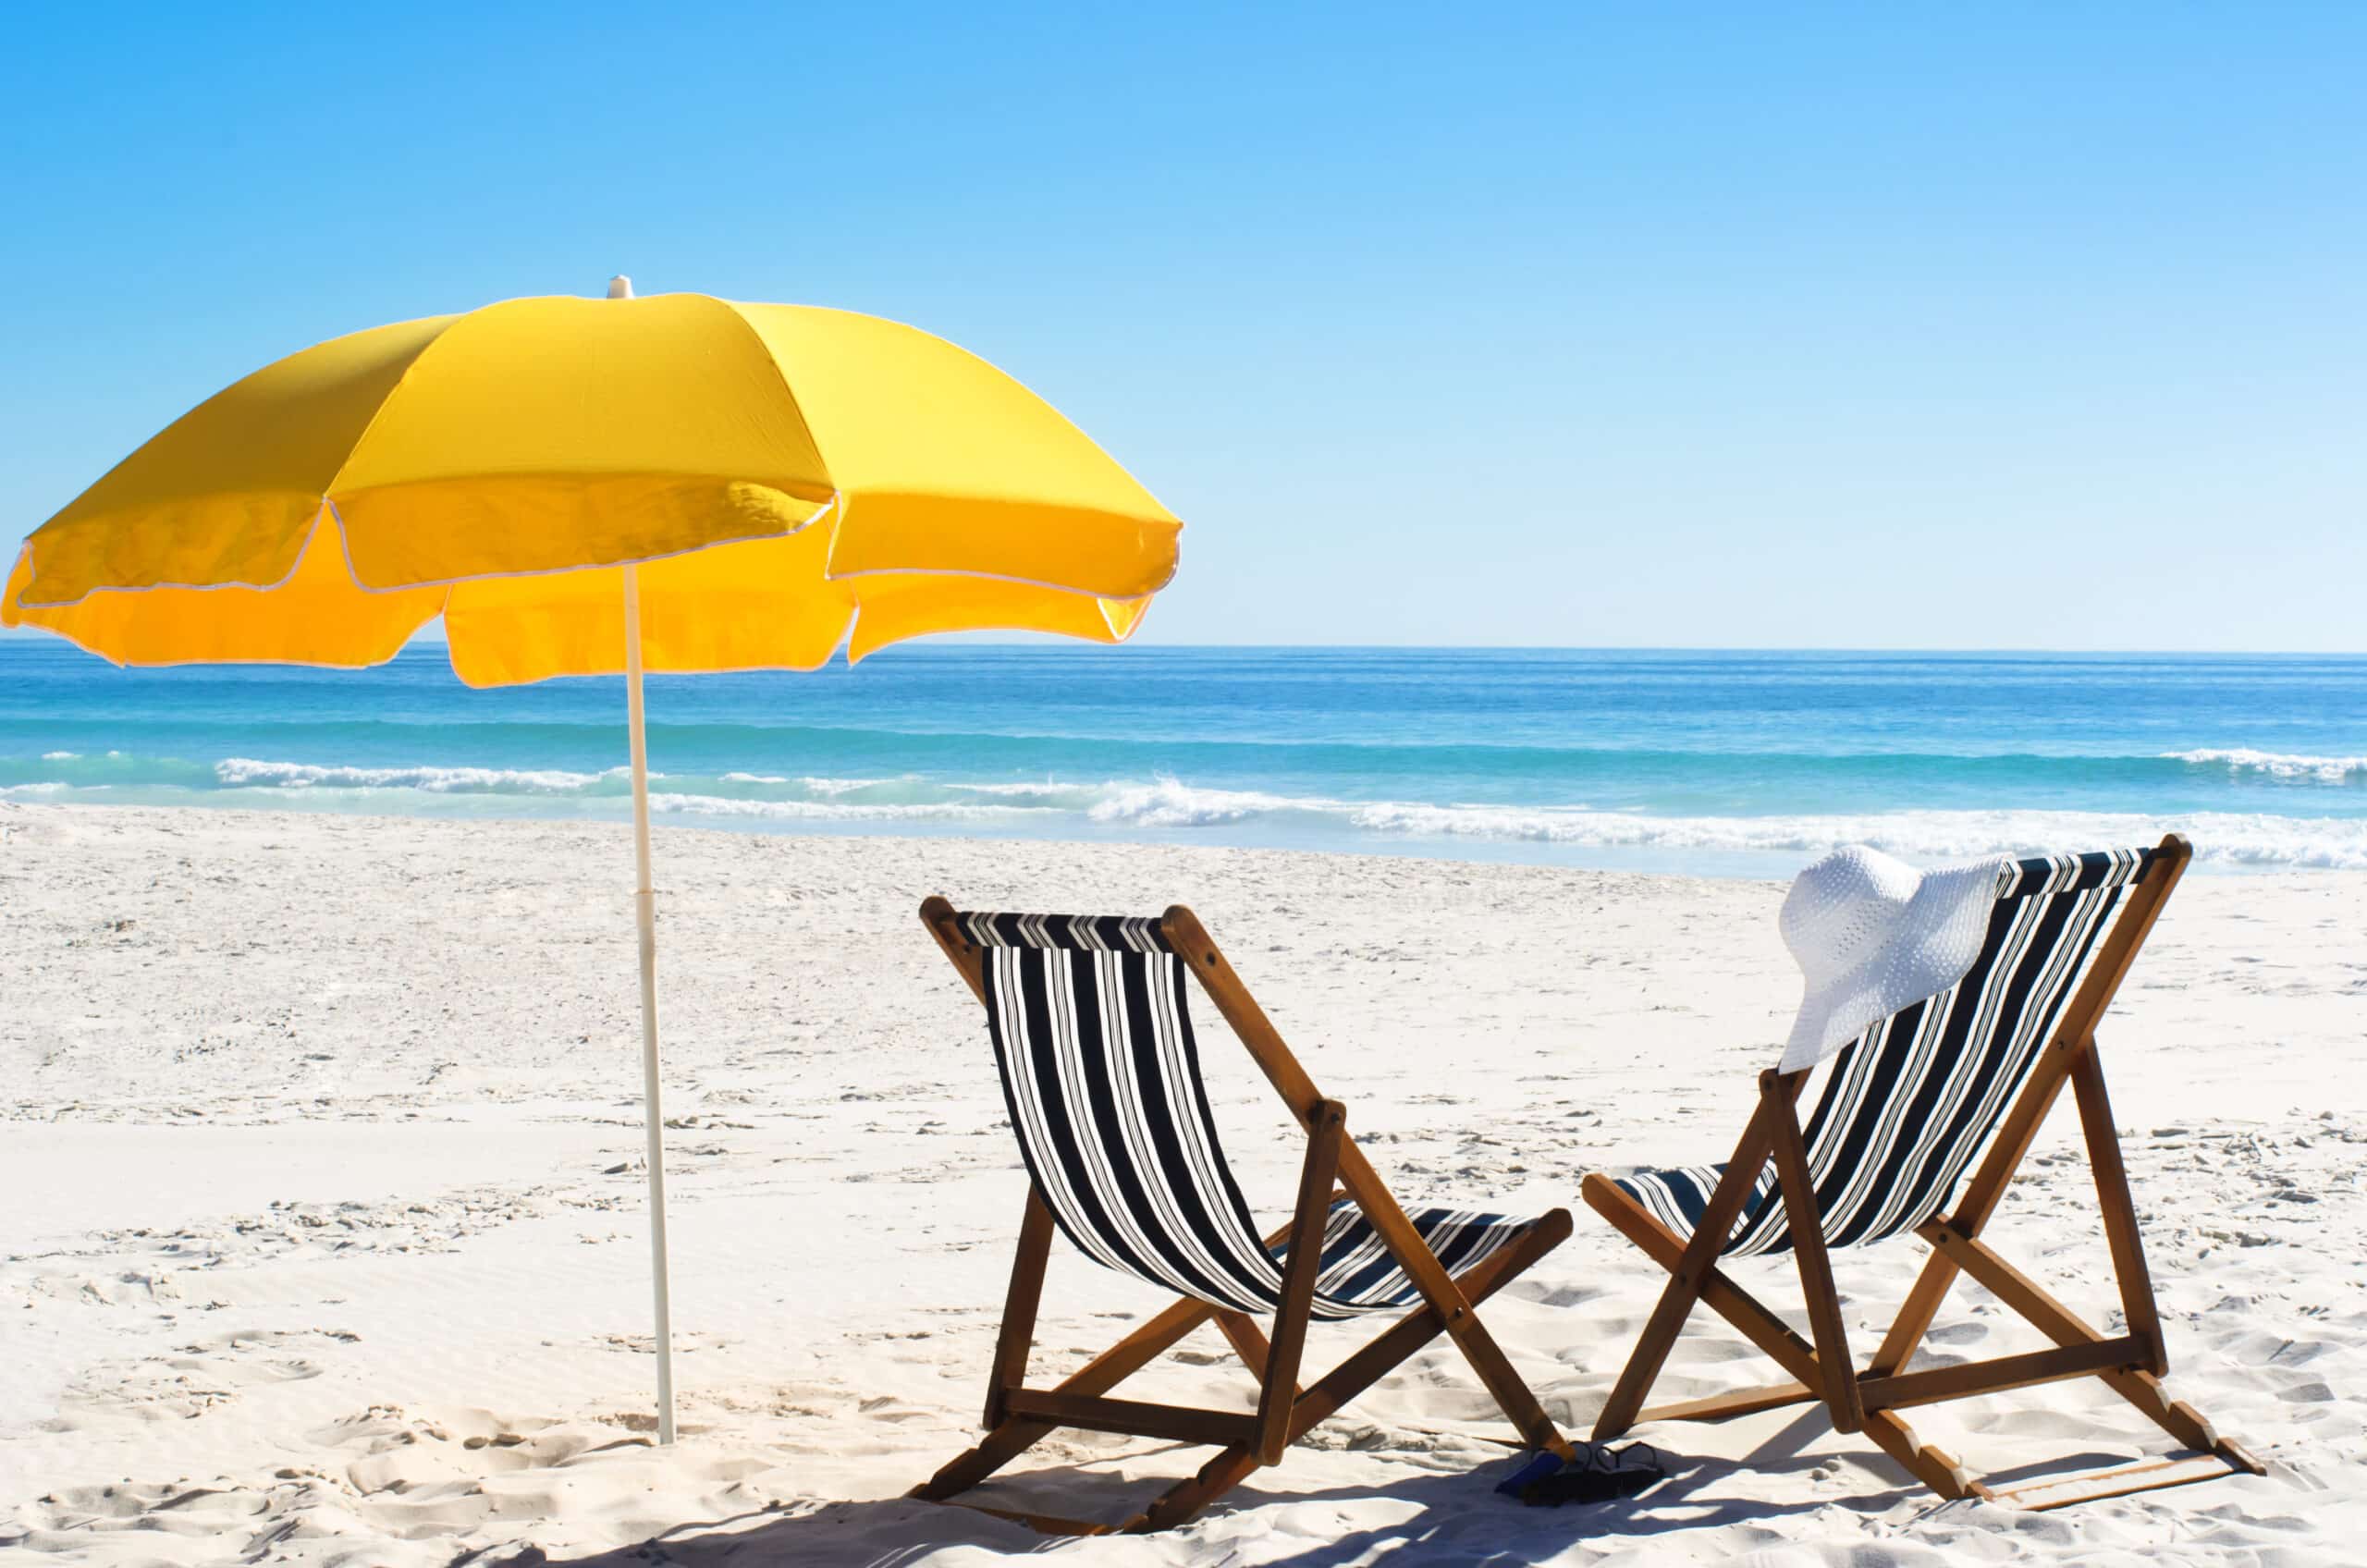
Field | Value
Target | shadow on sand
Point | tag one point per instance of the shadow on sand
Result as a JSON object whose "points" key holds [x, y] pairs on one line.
{"points": [[1431, 1519]]}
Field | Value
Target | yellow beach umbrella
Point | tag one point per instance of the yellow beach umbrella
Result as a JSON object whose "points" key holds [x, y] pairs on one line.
{"points": [[603, 486]]}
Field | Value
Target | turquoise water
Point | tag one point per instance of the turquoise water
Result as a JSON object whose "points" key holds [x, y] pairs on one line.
{"points": [[1722, 762]]}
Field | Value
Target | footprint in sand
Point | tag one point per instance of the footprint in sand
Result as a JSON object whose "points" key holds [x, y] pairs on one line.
{"points": [[195, 1378]]}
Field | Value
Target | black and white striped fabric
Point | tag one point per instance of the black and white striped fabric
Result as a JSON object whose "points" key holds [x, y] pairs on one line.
{"points": [[1093, 1037], [1911, 1102]]}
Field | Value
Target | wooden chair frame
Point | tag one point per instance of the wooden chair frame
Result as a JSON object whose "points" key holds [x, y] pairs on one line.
{"points": [[2131, 1364], [1018, 1416]]}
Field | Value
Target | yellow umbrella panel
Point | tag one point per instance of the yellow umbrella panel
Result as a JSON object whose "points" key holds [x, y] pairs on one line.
{"points": [[599, 486]]}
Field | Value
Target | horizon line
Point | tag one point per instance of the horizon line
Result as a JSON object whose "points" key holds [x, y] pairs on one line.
{"points": [[953, 641]]}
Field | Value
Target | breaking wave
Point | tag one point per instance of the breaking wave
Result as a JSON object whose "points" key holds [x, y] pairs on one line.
{"points": [[242, 773], [2277, 764], [1170, 808]]}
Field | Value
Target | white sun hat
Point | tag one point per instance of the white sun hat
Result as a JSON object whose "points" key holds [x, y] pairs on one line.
{"points": [[1873, 935]]}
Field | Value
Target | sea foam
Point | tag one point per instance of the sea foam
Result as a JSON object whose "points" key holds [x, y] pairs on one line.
{"points": [[2277, 764], [1170, 807], [2229, 839], [236, 773]]}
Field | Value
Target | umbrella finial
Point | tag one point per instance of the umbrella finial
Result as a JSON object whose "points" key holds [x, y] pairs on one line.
{"points": [[621, 288]]}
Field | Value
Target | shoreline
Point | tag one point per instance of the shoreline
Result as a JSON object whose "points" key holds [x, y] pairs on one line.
{"points": [[1730, 849]]}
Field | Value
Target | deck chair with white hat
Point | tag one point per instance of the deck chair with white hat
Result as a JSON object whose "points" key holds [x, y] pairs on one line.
{"points": [[1946, 1002]]}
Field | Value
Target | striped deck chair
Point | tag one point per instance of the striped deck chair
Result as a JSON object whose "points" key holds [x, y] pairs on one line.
{"points": [[1906, 1109], [1101, 1075]]}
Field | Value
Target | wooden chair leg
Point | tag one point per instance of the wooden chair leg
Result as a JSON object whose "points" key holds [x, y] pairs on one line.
{"points": [[1247, 1340], [1755, 1322], [1017, 1336], [2112, 1196], [1301, 1265], [1693, 1260], [1506, 1386], [1510, 1390], [1438, 1290], [1326, 1396], [1778, 1093], [1188, 1498], [1936, 1468], [2058, 1322], [1008, 1438], [1915, 1315], [1758, 1323], [1383, 1353], [1974, 1209], [1014, 1436]]}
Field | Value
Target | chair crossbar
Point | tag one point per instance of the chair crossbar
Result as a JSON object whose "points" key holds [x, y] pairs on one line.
{"points": [[1999, 1373], [1721, 1407], [1092, 1413]]}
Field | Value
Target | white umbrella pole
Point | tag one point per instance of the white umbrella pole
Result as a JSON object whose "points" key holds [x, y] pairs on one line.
{"points": [[645, 903]]}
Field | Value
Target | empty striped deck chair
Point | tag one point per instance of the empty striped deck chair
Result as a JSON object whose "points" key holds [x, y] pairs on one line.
{"points": [[1092, 1033], [1909, 1107]]}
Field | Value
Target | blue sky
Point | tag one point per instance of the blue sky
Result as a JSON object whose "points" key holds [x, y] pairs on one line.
{"points": [[1600, 325]]}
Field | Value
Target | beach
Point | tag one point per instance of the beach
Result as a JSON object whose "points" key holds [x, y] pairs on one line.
{"points": [[1596, 555], [330, 1245]]}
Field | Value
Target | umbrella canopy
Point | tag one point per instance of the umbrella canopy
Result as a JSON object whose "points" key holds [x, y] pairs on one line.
{"points": [[328, 506], [602, 487]]}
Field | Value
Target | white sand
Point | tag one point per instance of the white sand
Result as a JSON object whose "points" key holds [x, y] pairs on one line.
{"points": [[327, 1244]]}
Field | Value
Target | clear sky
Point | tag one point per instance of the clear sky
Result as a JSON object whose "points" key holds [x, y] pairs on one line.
{"points": [[1999, 325]]}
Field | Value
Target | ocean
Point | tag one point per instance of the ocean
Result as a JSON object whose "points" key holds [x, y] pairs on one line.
{"points": [[1710, 763]]}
